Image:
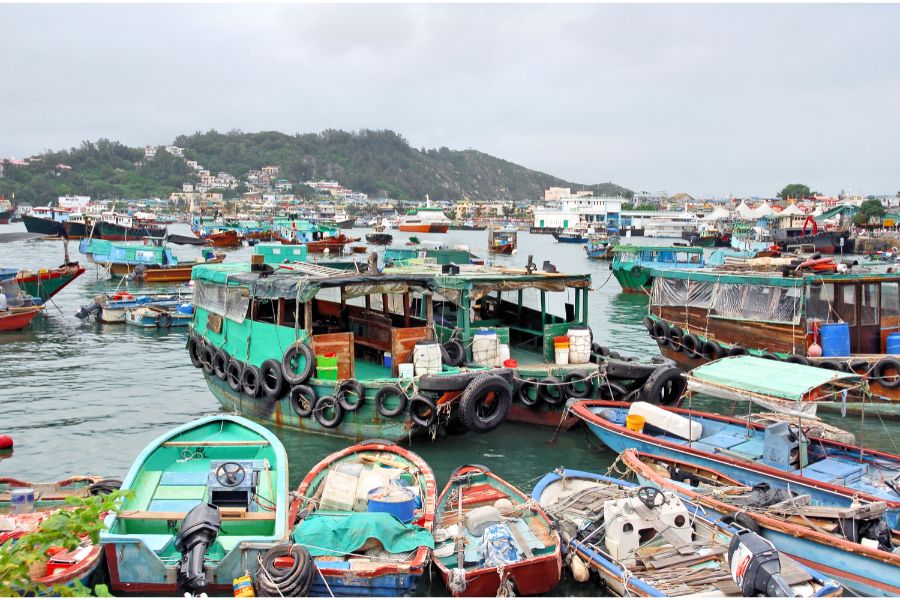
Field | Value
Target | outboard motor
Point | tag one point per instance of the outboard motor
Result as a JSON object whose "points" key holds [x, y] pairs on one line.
{"points": [[89, 309], [756, 567], [198, 531]]}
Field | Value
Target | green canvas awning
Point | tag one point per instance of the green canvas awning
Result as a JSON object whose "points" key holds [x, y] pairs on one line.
{"points": [[777, 379]]}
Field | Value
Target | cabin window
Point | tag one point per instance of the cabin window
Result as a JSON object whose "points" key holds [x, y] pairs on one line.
{"points": [[757, 302], [890, 302], [265, 311], [820, 302], [846, 308], [868, 307], [230, 302]]}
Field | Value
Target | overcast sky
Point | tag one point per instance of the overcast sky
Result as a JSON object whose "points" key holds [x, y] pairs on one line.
{"points": [[711, 100]]}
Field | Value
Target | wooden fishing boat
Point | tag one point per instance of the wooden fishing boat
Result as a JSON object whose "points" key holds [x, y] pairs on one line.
{"points": [[632, 266], [826, 538], [209, 497], [150, 261], [110, 308], [46, 283], [711, 313], [124, 227], [502, 241], [17, 318], [360, 551], [225, 238], [178, 273], [155, 316], [52, 493], [642, 541], [781, 454], [495, 538]]}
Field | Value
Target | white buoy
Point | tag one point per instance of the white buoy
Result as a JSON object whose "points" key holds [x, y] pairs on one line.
{"points": [[326, 251], [580, 571]]}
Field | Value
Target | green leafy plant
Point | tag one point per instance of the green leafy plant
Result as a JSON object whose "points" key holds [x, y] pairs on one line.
{"points": [[65, 528]]}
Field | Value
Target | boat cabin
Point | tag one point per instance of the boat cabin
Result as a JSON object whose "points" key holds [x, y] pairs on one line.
{"points": [[676, 257]]}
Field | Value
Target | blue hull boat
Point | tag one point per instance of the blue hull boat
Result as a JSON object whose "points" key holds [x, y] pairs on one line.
{"points": [[833, 474], [584, 504]]}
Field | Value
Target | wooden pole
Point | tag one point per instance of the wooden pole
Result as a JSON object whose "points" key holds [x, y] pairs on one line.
{"points": [[406, 309], [384, 303], [281, 311], [308, 315], [427, 299]]}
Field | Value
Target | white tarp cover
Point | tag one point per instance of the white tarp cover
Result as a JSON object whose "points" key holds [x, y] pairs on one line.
{"points": [[768, 303], [227, 301]]}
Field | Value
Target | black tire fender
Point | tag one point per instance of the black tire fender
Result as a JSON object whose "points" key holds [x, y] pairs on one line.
{"points": [[676, 338], [610, 390], [423, 411], [879, 372], [523, 392], [770, 356], [194, 350], [691, 345], [797, 359], [326, 403], [347, 388], [858, 366], [551, 391], [712, 350], [453, 353], [206, 357], [831, 365], [473, 397], [303, 400], [648, 323], [298, 351], [661, 333], [251, 381], [664, 387], [233, 373], [738, 350], [163, 320], [621, 369], [220, 363], [271, 379], [572, 379], [386, 392]]}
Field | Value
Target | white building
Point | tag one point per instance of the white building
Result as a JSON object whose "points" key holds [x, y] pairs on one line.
{"points": [[150, 151], [570, 210], [175, 150], [73, 201], [187, 187]]}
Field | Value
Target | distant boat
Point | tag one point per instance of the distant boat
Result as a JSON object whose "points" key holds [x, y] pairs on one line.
{"points": [[6, 210], [382, 239], [571, 236], [425, 220], [155, 316], [501, 241], [46, 283], [122, 227], [45, 220], [150, 262]]}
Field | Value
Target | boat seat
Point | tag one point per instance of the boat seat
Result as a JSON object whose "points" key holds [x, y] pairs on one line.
{"points": [[180, 492], [184, 478], [751, 449], [173, 505], [832, 470], [722, 439]]}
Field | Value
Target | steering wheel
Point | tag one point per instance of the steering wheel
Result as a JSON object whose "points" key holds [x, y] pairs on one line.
{"points": [[230, 474], [649, 494], [797, 434]]}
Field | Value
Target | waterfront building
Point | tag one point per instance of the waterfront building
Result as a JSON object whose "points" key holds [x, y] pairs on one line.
{"points": [[571, 209]]}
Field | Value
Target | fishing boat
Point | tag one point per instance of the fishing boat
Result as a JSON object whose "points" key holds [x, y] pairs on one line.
{"points": [[226, 238], [828, 539], [788, 231], [429, 252], [110, 308], [366, 514], [151, 261], [496, 541], [467, 225], [572, 236], [780, 454], [119, 227], [502, 241], [318, 238], [381, 239], [45, 220], [643, 541], [844, 321], [186, 240], [162, 317], [46, 283], [424, 220], [17, 309], [600, 247], [79, 225], [53, 494], [707, 237], [209, 498], [633, 266], [7, 210], [358, 249]]}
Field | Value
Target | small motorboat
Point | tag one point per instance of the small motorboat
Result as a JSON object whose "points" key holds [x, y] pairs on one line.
{"points": [[380, 239], [643, 541], [494, 540], [160, 317], [210, 497], [110, 308], [358, 249], [365, 514], [831, 539], [54, 493]]}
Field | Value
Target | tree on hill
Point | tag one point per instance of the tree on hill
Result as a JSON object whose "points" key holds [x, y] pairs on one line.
{"points": [[867, 210], [796, 190]]}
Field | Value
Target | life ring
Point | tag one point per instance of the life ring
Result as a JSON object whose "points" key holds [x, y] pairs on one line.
{"points": [[422, 411], [676, 338], [660, 333], [328, 412], [195, 348], [712, 350], [384, 394], [119, 296], [250, 379], [163, 320], [550, 391], [664, 387], [738, 350], [880, 372], [298, 373], [220, 363], [571, 381], [271, 380], [303, 399], [610, 390], [525, 390], [345, 390], [797, 359], [233, 373], [690, 345], [485, 403], [453, 353]]}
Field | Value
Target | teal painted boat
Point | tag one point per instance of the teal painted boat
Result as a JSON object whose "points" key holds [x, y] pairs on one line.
{"points": [[223, 475], [632, 265]]}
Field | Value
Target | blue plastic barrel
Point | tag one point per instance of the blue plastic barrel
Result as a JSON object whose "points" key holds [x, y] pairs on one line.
{"points": [[397, 501], [892, 345], [835, 339]]}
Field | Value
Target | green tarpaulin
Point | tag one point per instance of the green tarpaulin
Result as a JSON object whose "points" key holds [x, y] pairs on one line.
{"points": [[336, 535], [769, 377]]}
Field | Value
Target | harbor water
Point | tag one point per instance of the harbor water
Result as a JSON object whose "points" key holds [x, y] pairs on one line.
{"points": [[84, 398]]}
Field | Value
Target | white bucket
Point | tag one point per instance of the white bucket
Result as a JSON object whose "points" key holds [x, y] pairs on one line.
{"points": [[579, 345], [484, 348], [562, 356], [427, 358], [406, 370], [502, 355]]}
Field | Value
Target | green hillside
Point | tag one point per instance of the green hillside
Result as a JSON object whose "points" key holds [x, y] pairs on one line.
{"points": [[379, 163]]}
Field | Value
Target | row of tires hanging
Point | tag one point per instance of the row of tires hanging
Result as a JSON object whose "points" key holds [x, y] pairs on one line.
{"points": [[885, 370]]}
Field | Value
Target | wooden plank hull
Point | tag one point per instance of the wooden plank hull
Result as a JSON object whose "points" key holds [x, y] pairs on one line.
{"points": [[152, 274], [47, 284]]}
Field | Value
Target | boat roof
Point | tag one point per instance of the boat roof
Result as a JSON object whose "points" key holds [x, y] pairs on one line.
{"points": [[726, 274], [689, 249], [788, 381]]}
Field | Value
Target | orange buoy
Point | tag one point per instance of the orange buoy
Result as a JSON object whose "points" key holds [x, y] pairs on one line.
{"points": [[6, 442]]}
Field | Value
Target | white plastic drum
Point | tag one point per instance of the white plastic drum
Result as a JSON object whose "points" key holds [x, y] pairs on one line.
{"points": [[579, 345], [427, 358], [484, 348]]}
